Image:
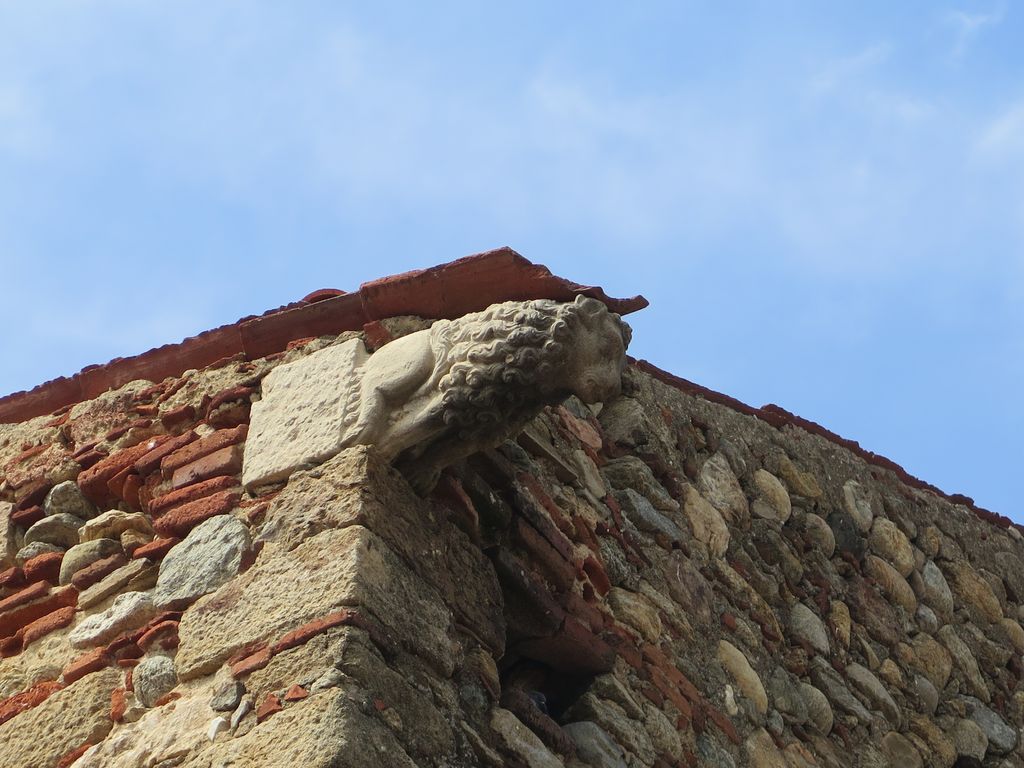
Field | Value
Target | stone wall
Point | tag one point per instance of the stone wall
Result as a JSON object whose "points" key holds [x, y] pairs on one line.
{"points": [[659, 581]]}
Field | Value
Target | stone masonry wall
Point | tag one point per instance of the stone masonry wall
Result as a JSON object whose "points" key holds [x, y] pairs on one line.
{"points": [[660, 581]]}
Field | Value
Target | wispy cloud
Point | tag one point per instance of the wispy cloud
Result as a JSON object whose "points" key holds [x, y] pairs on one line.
{"points": [[967, 27]]}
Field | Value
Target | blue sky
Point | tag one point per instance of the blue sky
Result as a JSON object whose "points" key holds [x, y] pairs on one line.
{"points": [[824, 204]]}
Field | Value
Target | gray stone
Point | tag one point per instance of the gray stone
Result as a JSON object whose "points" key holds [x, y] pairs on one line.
{"points": [[713, 755], [773, 501], [1002, 738], [518, 740], [112, 523], [8, 536], [593, 746], [153, 678], [60, 530], [631, 472], [719, 485], [818, 533], [872, 689], [805, 625], [645, 517], [933, 591], [209, 556], [66, 498], [969, 739], [857, 503], [35, 549], [900, 751], [926, 694], [891, 544], [819, 711], [964, 660], [786, 696], [128, 611], [81, 555], [226, 698], [926, 619], [828, 682], [112, 583]]}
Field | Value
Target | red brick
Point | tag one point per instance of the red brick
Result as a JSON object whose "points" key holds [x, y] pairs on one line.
{"points": [[176, 417], [33, 697], [156, 549], [729, 621], [559, 571], [164, 635], [90, 458], [271, 705], [231, 395], [222, 438], [130, 491], [303, 634], [167, 698], [93, 481], [150, 461], [28, 517], [376, 335], [625, 645], [92, 573], [62, 617], [13, 620], [118, 704], [183, 519], [86, 664], [12, 578], [31, 494], [597, 575], [296, 693], [249, 664], [43, 567], [26, 595], [226, 461], [534, 488], [168, 501], [573, 648], [724, 723], [69, 759]]}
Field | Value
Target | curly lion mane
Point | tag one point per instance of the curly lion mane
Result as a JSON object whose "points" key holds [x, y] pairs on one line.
{"points": [[502, 360]]}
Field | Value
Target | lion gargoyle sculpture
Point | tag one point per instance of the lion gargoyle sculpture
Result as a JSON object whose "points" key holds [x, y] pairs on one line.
{"points": [[436, 396], [433, 397]]}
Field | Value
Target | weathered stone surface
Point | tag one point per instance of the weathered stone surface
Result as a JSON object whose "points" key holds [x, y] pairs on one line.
{"points": [[786, 696], [632, 472], [128, 611], [762, 752], [326, 730], [111, 584], [873, 690], [857, 503], [67, 499], [747, 680], [705, 521], [645, 517], [772, 501], [636, 611], [933, 591], [593, 746], [818, 533], [518, 740], [972, 591], [892, 584], [209, 556], [969, 739], [334, 569], [828, 682], [300, 420], [819, 711], [357, 487], [932, 660], [153, 678], [1001, 737], [8, 534], [68, 718], [892, 545], [227, 696], [901, 751], [61, 530], [964, 661], [719, 485], [111, 524], [805, 626], [35, 549], [82, 555]]}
